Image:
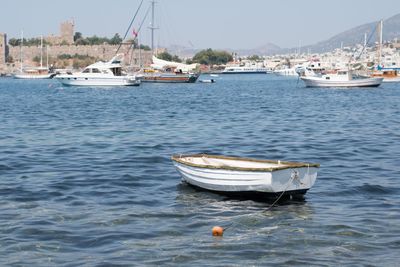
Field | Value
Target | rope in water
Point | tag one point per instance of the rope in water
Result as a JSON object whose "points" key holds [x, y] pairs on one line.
{"points": [[293, 176]]}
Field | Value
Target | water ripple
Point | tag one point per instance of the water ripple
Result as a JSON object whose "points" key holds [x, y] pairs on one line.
{"points": [[86, 176]]}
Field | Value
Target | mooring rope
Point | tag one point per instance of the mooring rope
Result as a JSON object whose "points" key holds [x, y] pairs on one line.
{"points": [[294, 176]]}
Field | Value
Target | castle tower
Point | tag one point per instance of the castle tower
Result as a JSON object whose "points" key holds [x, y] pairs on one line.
{"points": [[3, 48], [67, 32]]}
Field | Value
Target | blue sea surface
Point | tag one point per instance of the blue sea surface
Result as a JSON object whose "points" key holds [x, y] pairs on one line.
{"points": [[86, 177]]}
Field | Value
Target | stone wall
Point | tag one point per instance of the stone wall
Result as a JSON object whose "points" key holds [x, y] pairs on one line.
{"points": [[3, 48], [101, 52]]}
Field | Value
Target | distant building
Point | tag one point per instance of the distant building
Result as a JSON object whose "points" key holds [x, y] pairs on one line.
{"points": [[66, 34], [3, 48]]}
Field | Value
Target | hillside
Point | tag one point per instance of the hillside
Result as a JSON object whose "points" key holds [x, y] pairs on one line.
{"points": [[391, 30]]}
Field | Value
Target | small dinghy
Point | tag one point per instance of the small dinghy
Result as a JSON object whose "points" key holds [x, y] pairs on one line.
{"points": [[207, 81], [246, 176]]}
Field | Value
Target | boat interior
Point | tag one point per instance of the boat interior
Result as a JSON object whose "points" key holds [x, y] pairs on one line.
{"points": [[228, 162], [206, 161]]}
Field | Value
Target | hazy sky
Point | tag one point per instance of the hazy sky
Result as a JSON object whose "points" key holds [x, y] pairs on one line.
{"points": [[200, 23]]}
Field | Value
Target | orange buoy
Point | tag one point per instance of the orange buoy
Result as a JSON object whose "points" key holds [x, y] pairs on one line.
{"points": [[217, 231]]}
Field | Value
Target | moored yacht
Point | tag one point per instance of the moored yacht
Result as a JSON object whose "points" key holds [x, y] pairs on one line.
{"points": [[245, 70], [100, 74], [389, 75], [341, 78], [163, 71], [286, 71], [34, 73]]}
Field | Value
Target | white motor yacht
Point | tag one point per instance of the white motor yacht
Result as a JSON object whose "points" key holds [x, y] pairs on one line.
{"points": [[245, 70], [100, 74]]}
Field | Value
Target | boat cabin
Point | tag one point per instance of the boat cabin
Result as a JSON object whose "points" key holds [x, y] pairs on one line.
{"points": [[340, 75], [104, 68]]}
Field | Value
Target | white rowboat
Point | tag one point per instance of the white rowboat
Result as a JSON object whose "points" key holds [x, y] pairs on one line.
{"points": [[245, 176]]}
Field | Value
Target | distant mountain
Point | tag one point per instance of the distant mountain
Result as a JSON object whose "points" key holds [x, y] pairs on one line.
{"points": [[391, 30], [267, 49], [182, 51]]}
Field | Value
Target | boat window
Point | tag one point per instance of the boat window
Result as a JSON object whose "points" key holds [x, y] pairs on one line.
{"points": [[86, 71], [327, 78], [116, 71], [96, 71]]}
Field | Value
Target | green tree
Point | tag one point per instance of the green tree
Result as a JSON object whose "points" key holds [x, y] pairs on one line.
{"points": [[14, 42], [77, 36], [64, 56], [82, 41], [145, 47], [168, 57], [115, 40], [165, 56], [175, 58], [210, 57], [254, 58]]}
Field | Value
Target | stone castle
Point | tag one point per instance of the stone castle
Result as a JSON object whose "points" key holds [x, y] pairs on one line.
{"points": [[63, 44], [66, 34]]}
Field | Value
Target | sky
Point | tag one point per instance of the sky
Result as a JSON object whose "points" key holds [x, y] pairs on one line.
{"points": [[217, 24]]}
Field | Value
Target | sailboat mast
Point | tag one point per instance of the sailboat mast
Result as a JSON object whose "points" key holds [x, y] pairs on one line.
{"points": [[47, 56], [20, 48], [41, 51], [152, 27], [140, 54], [380, 42]]}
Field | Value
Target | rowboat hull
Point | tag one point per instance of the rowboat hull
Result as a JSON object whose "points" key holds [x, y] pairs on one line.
{"points": [[232, 178]]}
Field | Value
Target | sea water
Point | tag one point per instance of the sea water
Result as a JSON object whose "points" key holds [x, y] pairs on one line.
{"points": [[86, 177]]}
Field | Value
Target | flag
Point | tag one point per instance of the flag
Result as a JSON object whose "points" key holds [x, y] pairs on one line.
{"points": [[134, 33]]}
